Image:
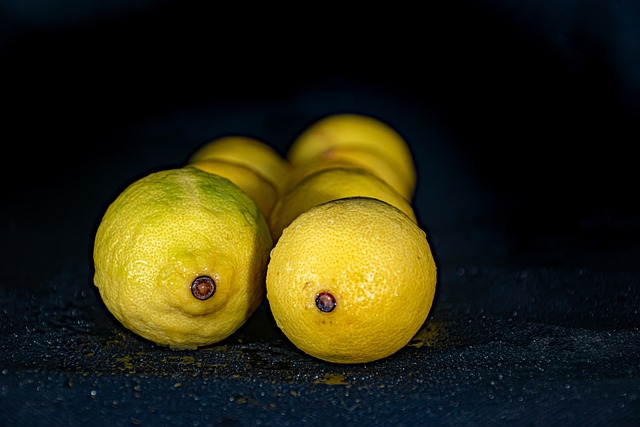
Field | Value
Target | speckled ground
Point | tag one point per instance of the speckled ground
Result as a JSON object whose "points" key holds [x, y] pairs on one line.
{"points": [[523, 345]]}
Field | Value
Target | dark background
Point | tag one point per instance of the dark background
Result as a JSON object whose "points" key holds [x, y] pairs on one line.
{"points": [[523, 120], [540, 100]]}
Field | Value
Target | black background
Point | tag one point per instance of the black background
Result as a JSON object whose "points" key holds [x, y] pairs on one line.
{"points": [[523, 120], [542, 99], [540, 96]]}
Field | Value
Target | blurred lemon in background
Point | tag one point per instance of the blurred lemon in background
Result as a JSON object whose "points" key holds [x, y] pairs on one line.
{"points": [[358, 132], [330, 184], [249, 152]]}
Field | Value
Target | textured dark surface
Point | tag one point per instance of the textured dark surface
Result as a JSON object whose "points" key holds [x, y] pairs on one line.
{"points": [[519, 119]]}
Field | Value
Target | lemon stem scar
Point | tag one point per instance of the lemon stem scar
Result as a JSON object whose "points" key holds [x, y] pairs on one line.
{"points": [[203, 287], [325, 302]]}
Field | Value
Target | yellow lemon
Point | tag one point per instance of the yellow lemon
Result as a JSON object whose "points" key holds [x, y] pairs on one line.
{"points": [[331, 184], [355, 131], [351, 280], [358, 157], [261, 191], [180, 257], [249, 152]]}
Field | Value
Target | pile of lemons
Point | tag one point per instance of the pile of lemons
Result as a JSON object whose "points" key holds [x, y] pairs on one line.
{"points": [[183, 257]]}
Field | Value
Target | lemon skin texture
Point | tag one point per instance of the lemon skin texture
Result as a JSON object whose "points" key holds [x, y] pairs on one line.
{"points": [[372, 260], [249, 152], [164, 231], [261, 191], [330, 184], [355, 157], [355, 131]]}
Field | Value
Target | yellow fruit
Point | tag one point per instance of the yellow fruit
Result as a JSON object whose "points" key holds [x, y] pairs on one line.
{"points": [[351, 280], [261, 191], [331, 184], [248, 152], [355, 131], [358, 157], [180, 257]]}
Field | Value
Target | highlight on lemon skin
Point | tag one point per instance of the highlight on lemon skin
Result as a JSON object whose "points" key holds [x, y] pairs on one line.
{"points": [[180, 258], [351, 280]]}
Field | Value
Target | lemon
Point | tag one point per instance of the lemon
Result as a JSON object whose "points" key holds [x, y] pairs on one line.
{"points": [[356, 131], [351, 280], [180, 257], [330, 184], [261, 191], [355, 157], [248, 152]]}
